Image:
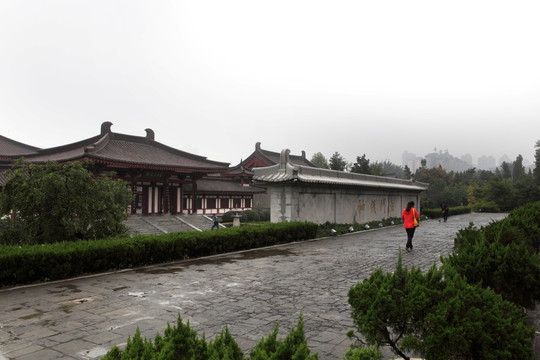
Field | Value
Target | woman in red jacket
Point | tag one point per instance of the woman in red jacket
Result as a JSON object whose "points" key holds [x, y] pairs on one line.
{"points": [[408, 215]]}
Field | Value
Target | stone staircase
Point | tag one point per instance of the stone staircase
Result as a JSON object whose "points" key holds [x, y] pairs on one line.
{"points": [[163, 224]]}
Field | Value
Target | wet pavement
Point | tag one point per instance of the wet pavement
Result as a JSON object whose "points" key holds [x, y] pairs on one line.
{"points": [[249, 291]]}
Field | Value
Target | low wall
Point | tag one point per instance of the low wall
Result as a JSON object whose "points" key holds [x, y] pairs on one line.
{"points": [[303, 193], [336, 204]]}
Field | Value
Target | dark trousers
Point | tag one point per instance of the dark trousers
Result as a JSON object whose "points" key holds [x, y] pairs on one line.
{"points": [[410, 234]]}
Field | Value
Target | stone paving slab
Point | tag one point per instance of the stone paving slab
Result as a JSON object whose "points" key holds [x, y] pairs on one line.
{"points": [[249, 291]]}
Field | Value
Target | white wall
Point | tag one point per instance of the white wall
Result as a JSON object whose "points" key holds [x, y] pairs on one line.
{"points": [[337, 205]]}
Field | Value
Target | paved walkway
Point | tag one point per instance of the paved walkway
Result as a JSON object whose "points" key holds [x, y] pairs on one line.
{"points": [[249, 291]]}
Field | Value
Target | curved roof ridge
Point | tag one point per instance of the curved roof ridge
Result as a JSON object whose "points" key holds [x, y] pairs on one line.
{"points": [[10, 147], [70, 146], [291, 172]]}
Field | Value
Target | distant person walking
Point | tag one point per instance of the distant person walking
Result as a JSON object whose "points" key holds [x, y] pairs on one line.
{"points": [[445, 211], [216, 223], [410, 221]]}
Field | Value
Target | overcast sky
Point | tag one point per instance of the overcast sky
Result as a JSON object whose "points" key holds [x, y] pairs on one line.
{"points": [[214, 77]]}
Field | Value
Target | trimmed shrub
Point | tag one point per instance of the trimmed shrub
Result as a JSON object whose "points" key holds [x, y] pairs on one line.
{"points": [[252, 215], [228, 216], [27, 264]]}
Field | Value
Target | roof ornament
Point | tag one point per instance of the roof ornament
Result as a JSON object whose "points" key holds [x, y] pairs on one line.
{"points": [[106, 127], [258, 145], [150, 134], [284, 158]]}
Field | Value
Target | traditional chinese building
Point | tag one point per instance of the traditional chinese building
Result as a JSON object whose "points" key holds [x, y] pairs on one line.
{"points": [[163, 179], [261, 158]]}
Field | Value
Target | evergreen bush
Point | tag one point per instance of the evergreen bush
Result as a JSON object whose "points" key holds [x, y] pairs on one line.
{"points": [[181, 342], [502, 255], [438, 315], [252, 215]]}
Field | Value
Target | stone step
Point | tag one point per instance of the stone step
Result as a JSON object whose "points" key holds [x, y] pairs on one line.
{"points": [[162, 224]]}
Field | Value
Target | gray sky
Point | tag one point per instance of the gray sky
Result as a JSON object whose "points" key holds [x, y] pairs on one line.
{"points": [[214, 77]]}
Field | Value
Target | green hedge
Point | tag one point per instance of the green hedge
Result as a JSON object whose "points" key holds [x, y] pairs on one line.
{"points": [[437, 213], [28, 264]]}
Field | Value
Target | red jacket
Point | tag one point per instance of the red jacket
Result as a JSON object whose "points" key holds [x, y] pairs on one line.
{"points": [[407, 217]]}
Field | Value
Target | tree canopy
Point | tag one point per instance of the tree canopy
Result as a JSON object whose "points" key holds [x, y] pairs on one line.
{"points": [[361, 166], [54, 202], [338, 162], [319, 161]]}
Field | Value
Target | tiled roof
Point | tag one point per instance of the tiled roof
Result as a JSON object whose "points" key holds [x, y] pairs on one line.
{"points": [[127, 150], [291, 173], [10, 148], [240, 170], [271, 158], [223, 186]]}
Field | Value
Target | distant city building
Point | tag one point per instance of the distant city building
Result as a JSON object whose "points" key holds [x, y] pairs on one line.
{"points": [[487, 163], [467, 158], [412, 161], [446, 161]]}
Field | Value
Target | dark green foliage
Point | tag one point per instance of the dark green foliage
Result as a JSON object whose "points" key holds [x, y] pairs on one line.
{"points": [[337, 162], [536, 170], [437, 212], [14, 232], [181, 343], [438, 315], [229, 215], [388, 308], [26, 264], [61, 203], [252, 215], [503, 255], [486, 206], [294, 346], [474, 323], [510, 270], [363, 354], [361, 166], [224, 347]]}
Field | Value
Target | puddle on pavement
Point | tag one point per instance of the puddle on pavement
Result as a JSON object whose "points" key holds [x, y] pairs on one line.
{"points": [[223, 259], [160, 270], [63, 287], [120, 288], [31, 316], [262, 253]]}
